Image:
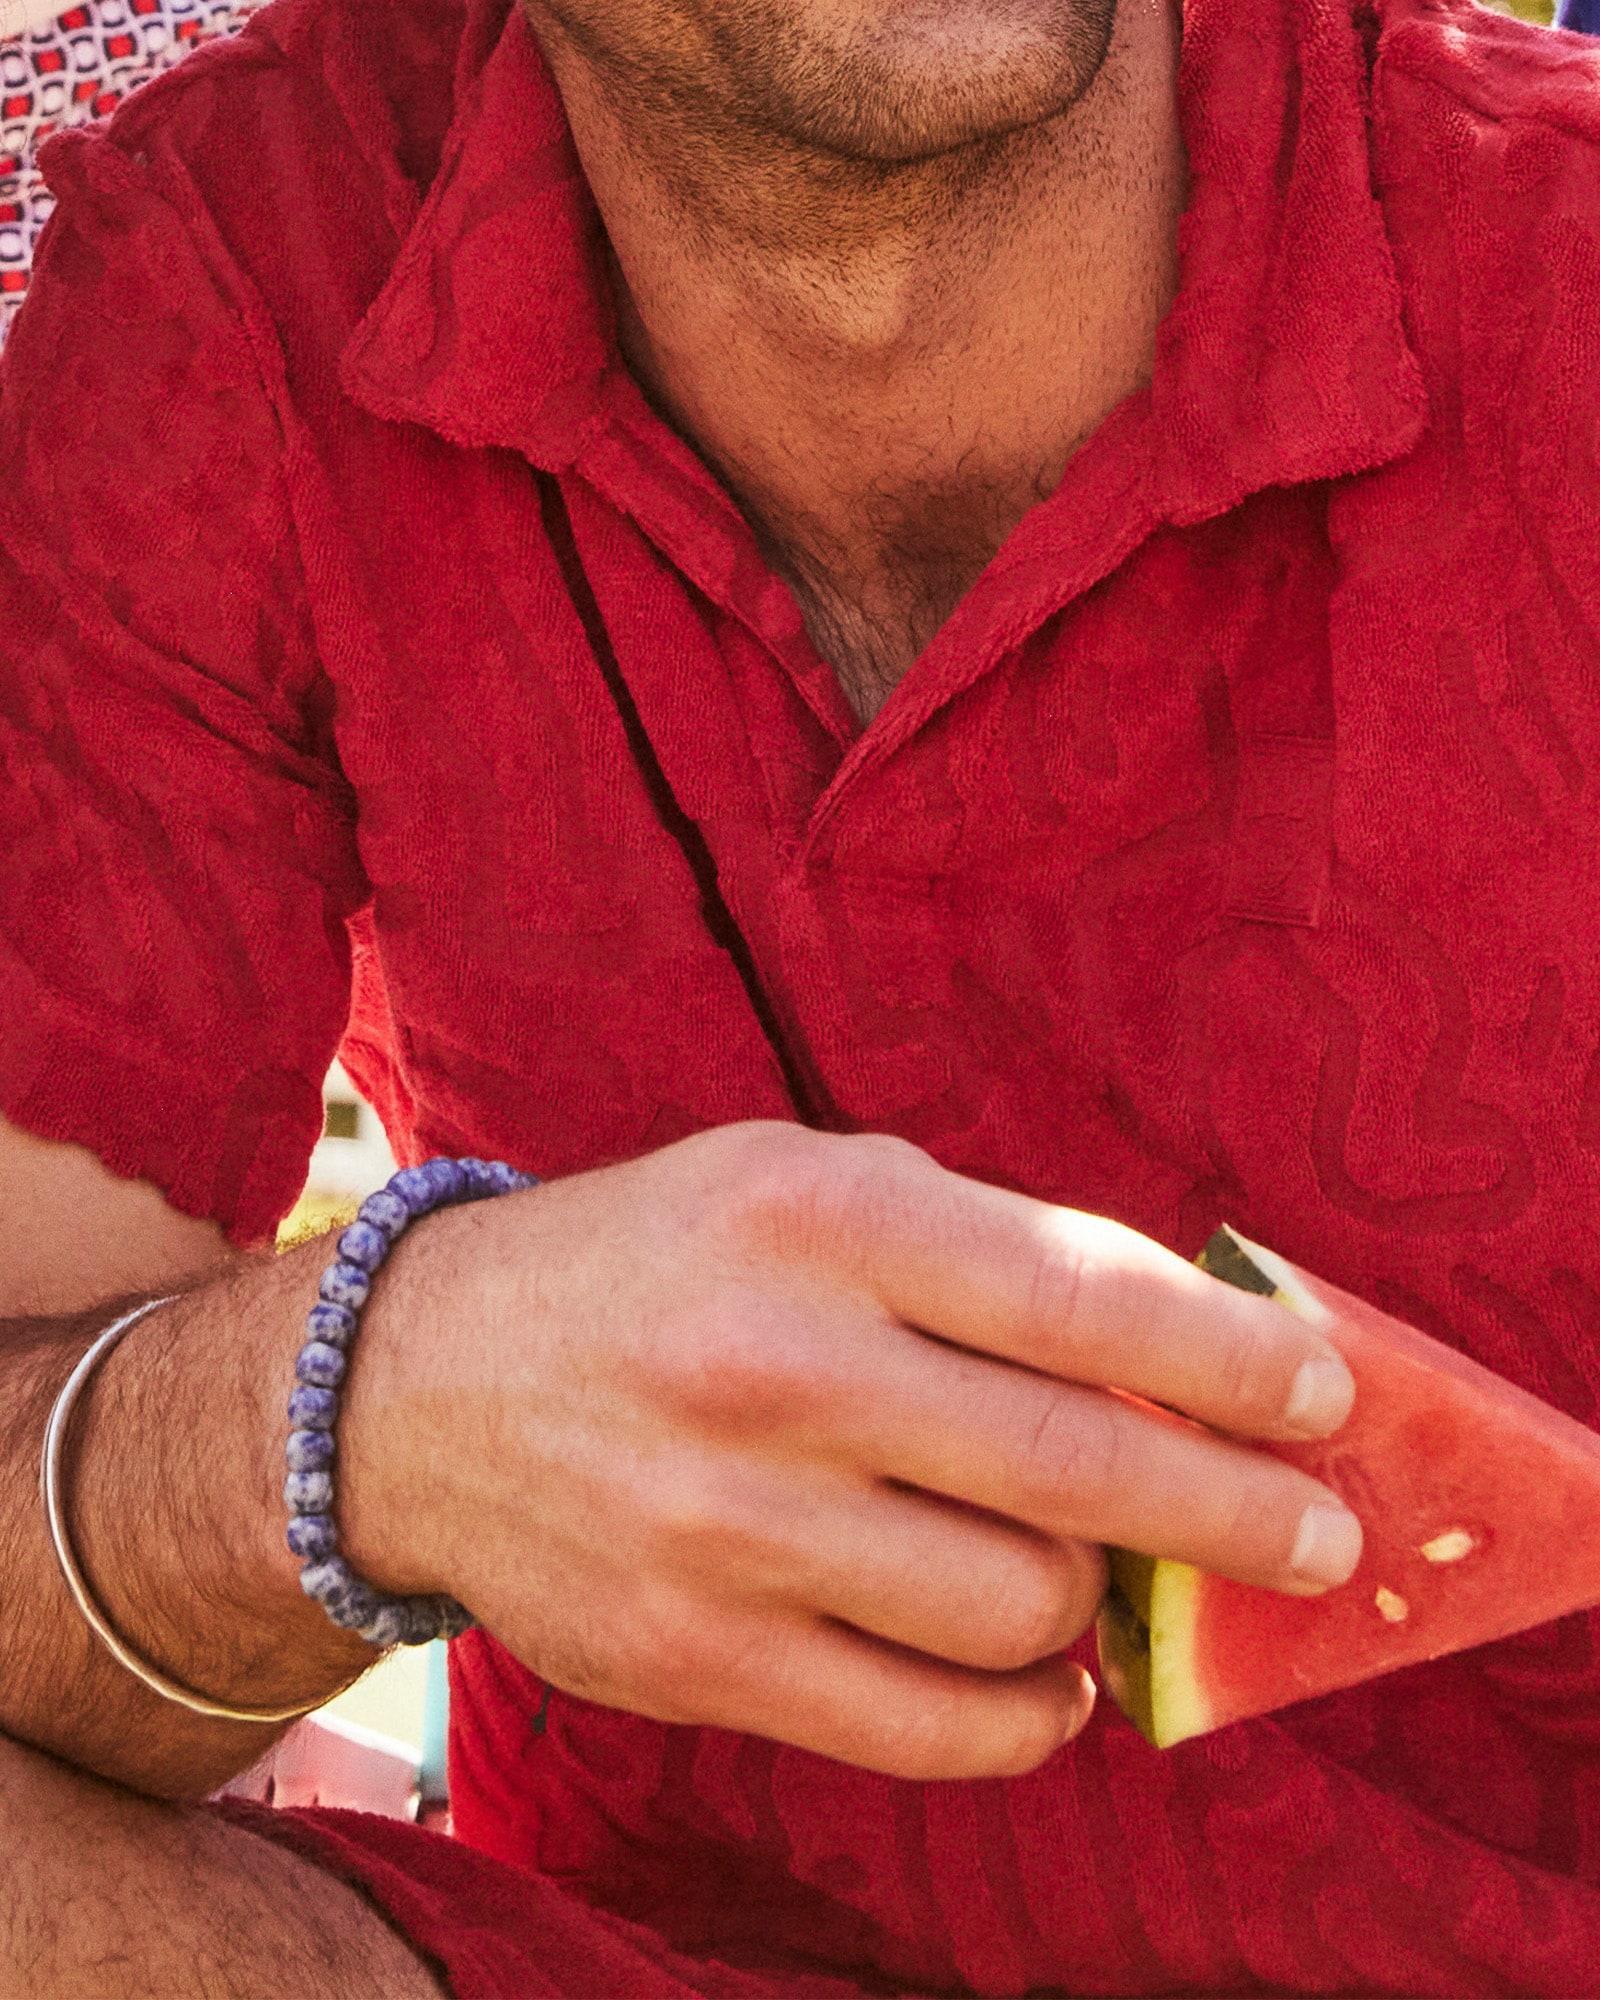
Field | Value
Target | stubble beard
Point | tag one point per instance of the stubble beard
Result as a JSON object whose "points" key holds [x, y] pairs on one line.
{"points": [[921, 81]]}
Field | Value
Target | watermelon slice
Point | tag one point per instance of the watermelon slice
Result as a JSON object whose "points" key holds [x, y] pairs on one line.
{"points": [[1481, 1506]]}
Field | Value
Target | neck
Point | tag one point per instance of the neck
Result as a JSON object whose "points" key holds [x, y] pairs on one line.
{"points": [[890, 365]]}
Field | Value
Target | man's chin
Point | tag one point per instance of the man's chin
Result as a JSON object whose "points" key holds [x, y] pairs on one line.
{"points": [[920, 138], [927, 99]]}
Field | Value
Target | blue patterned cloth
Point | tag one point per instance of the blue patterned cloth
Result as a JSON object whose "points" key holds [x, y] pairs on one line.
{"points": [[1582, 15]]}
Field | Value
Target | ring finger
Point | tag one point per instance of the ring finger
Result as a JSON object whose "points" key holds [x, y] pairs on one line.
{"points": [[919, 1569]]}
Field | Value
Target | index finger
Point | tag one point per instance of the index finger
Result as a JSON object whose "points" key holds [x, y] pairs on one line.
{"points": [[1086, 1299]]}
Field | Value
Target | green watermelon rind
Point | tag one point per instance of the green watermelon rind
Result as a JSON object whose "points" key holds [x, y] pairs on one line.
{"points": [[1146, 1629]]}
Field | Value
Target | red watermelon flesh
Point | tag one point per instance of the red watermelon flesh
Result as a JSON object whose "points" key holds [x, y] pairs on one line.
{"points": [[1480, 1505]]}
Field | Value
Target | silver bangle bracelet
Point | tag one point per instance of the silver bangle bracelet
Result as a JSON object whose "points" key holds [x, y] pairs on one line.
{"points": [[66, 1555]]}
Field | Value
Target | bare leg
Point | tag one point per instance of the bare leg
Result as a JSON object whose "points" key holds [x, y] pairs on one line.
{"points": [[108, 1896]]}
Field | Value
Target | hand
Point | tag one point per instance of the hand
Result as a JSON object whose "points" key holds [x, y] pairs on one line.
{"points": [[806, 1436]]}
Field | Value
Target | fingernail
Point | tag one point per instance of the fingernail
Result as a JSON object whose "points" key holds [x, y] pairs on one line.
{"points": [[1328, 1546], [1323, 1395], [1088, 1694]]}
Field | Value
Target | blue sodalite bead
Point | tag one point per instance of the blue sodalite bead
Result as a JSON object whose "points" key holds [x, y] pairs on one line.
{"points": [[391, 1624], [327, 1578], [412, 1187], [313, 1537], [331, 1327], [334, 1324], [364, 1246], [321, 1364], [346, 1285], [354, 1607], [309, 1451], [446, 1179], [313, 1409], [308, 1492], [384, 1211]]}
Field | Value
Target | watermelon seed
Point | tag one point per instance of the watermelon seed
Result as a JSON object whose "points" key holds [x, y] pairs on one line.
{"points": [[1392, 1605], [1449, 1547]]}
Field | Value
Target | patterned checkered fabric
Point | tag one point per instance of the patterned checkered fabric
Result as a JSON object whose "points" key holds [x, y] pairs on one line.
{"points": [[74, 69]]}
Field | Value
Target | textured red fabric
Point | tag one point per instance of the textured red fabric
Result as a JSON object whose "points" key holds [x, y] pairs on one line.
{"points": [[499, 1933], [1231, 855], [66, 71]]}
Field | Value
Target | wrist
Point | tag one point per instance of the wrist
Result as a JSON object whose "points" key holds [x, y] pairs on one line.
{"points": [[401, 1448], [393, 1442], [201, 1592]]}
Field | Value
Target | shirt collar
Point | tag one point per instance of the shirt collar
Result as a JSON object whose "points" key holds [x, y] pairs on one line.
{"points": [[496, 326], [1283, 359]]}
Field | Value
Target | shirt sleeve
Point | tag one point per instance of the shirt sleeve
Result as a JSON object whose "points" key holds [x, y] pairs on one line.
{"points": [[177, 852]]}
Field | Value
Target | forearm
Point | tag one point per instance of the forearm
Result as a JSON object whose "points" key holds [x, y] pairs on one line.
{"points": [[174, 1476], [104, 1894]]}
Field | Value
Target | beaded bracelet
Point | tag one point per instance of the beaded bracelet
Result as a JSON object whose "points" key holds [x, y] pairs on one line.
{"points": [[314, 1406]]}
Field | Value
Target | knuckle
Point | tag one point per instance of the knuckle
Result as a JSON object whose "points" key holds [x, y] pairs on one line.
{"points": [[762, 1166], [1071, 1460], [679, 1503], [1056, 1606], [925, 1741], [754, 1140], [704, 1525], [1243, 1541], [978, 1733], [694, 1527], [739, 1370], [1252, 1517], [887, 1146], [1037, 1621], [812, 1196], [1056, 1269], [1250, 1376], [777, 1185]]}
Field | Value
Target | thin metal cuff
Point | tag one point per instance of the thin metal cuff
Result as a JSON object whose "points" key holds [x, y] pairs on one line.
{"points": [[66, 1555]]}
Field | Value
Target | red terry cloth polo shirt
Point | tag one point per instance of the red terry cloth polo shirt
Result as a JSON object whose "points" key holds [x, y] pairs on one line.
{"points": [[371, 652]]}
